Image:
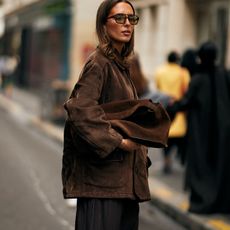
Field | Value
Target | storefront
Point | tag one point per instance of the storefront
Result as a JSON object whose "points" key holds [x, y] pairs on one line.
{"points": [[39, 34]]}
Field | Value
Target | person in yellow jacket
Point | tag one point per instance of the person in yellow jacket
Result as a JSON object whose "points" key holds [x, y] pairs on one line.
{"points": [[173, 80]]}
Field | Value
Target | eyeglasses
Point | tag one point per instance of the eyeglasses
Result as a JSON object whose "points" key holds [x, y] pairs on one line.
{"points": [[121, 18]]}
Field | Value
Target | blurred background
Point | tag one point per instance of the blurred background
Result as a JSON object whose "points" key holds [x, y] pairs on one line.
{"points": [[46, 43]]}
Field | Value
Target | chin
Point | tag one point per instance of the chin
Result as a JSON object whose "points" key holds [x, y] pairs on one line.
{"points": [[125, 40]]}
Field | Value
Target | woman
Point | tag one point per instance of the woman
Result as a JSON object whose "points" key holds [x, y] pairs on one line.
{"points": [[107, 173]]}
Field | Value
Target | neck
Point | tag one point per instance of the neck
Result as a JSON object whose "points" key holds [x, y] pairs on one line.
{"points": [[118, 47]]}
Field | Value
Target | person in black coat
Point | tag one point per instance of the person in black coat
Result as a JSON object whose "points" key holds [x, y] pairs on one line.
{"points": [[207, 102], [189, 61]]}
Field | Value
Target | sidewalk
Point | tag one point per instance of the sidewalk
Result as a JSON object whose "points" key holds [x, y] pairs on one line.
{"points": [[166, 191]]}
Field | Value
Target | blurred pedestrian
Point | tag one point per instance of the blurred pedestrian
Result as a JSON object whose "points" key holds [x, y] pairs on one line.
{"points": [[173, 80], [142, 85], [207, 102], [104, 170], [189, 60]]}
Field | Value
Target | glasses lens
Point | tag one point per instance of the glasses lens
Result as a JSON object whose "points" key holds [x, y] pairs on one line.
{"points": [[120, 18], [133, 19]]}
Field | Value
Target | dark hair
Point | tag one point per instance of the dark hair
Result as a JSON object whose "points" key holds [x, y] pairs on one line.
{"points": [[104, 41], [208, 53], [173, 57], [189, 61]]}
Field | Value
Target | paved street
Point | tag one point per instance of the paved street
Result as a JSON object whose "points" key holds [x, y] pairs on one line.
{"points": [[31, 198], [30, 189]]}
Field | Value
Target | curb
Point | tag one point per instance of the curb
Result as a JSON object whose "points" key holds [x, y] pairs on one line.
{"points": [[175, 205]]}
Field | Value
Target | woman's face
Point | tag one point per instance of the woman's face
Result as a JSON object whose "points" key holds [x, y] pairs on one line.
{"points": [[119, 33]]}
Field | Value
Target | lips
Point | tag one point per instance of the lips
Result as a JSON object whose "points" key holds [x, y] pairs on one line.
{"points": [[126, 32]]}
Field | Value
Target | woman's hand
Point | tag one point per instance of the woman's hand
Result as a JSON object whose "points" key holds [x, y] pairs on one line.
{"points": [[129, 145]]}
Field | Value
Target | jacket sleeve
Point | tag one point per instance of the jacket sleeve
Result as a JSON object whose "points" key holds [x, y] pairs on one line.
{"points": [[87, 116]]}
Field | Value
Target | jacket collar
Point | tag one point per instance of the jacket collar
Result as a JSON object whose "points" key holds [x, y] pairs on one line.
{"points": [[120, 61]]}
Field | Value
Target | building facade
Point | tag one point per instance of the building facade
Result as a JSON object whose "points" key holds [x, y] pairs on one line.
{"points": [[39, 33]]}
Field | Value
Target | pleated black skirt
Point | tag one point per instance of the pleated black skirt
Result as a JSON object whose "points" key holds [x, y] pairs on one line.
{"points": [[106, 214]]}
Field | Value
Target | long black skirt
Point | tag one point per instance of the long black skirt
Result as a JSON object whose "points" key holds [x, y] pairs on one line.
{"points": [[107, 214]]}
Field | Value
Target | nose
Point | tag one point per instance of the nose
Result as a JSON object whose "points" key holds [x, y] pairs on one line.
{"points": [[127, 21]]}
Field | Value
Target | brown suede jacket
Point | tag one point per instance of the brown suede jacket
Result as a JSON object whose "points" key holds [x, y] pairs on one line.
{"points": [[93, 165]]}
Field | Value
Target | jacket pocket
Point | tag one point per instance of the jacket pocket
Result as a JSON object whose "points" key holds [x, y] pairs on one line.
{"points": [[108, 172]]}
